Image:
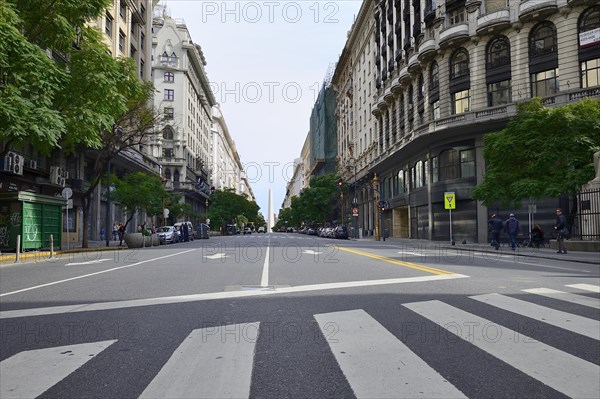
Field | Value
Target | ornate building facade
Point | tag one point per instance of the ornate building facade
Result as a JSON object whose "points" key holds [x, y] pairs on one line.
{"points": [[447, 74]]}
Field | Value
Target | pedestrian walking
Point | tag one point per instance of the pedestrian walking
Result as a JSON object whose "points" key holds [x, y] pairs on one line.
{"points": [[495, 227], [513, 229], [115, 231], [101, 233], [121, 231], [561, 230], [537, 236]]}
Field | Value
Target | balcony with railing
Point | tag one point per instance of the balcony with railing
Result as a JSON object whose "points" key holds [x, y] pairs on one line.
{"points": [[529, 8], [456, 32], [429, 12], [496, 20]]}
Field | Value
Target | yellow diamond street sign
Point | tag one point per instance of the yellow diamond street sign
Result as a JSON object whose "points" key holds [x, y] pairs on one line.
{"points": [[449, 200]]}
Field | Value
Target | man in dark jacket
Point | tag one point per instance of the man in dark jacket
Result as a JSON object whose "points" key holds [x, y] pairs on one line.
{"points": [[513, 229], [561, 231], [495, 226]]}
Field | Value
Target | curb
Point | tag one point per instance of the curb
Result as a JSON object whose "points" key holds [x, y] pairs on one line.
{"points": [[11, 259]]}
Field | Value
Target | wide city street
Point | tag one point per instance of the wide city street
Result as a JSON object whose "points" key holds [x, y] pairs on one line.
{"points": [[283, 315]]}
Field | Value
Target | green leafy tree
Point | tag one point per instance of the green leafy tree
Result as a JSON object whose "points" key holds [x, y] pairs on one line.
{"points": [[139, 192], [179, 210], [319, 203], [83, 99], [543, 152], [226, 205], [29, 84]]}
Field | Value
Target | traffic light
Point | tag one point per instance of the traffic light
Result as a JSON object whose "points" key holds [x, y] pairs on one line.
{"points": [[382, 206], [340, 182]]}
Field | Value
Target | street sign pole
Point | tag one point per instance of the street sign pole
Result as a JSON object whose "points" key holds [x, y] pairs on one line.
{"points": [[450, 203]]}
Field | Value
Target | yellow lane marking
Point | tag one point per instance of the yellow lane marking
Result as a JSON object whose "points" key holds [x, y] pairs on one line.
{"points": [[396, 262]]}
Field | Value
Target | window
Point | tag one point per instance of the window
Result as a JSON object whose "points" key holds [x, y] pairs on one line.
{"points": [[164, 58], [108, 25], [169, 77], [499, 93], [168, 132], [167, 153], [121, 41], [434, 78], [498, 53], [460, 102], [122, 9], [169, 95], [457, 17], [434, 169], [133, 26], [132, 51], [418, 178], [590, 73], [435, 110], [141, 69], [448, 164], [142, 40], [589, 47], [542, 40], [544, 84], [169, 113], [459, 64], [467, 163]]}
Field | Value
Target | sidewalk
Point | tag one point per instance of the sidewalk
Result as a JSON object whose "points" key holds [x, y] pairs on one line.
{"points": [[542, 253]]}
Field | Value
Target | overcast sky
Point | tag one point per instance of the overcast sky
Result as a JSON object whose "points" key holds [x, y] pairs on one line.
{"points": [[266, 61]]}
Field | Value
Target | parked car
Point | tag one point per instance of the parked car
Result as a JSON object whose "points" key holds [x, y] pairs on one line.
{"points": [[341, 232], [167, 235], [262, 229], [311, 231], [191, 230], [247, 230]]}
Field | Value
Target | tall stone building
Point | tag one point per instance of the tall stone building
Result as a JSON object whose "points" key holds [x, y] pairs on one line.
{"points": [[182, 143], [447, 73]]}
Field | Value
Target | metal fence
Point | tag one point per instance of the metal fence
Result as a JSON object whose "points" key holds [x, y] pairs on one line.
{"points": [[589, 214]]}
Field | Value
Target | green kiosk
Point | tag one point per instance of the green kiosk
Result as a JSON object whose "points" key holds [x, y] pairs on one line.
{"points": [[32, 216]]}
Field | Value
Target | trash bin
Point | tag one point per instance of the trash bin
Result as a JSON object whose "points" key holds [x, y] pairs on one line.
{"points": [[202, 231]]}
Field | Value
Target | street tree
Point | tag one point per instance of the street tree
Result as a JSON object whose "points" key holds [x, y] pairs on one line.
{"points": [[139, 192], [29, 84], [226, 205], [543, 152], [178, 209], [83, 101], [319, 202]]}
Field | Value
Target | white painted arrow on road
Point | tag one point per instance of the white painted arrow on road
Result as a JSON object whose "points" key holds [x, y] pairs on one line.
{"points": [[311, 252], [91, 262], [216, 256]]}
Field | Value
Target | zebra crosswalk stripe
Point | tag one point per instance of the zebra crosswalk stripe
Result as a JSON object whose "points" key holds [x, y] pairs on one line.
{"points": [[29, 374], [213, 362], [586, 287], [559, 370], [566, 296], [578, 324], [376, 363]]}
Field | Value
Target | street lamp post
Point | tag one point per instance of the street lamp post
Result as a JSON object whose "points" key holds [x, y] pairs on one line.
{"points": [[376, 192], [107, 228], [206, 209]]}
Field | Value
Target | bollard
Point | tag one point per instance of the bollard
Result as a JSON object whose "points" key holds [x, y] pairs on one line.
{"points": [[18, 248], [51, 246]]}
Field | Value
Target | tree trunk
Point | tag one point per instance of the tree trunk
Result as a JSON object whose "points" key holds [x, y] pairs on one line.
{"points": [[86, 218]]}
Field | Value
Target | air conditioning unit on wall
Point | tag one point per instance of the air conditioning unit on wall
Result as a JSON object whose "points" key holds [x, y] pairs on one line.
{"points": [[31, 164], [55, 174], [13, 163]]}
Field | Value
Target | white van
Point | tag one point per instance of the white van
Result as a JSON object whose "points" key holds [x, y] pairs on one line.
{"points": [[191, 231]]}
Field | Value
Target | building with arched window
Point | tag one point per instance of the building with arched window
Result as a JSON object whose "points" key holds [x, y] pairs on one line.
{"points": [[183, 140], [447, 73]]}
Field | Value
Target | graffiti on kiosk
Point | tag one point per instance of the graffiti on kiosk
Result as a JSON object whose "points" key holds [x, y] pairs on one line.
{"points": [[16, 219], [3, 236], [31, 232]]}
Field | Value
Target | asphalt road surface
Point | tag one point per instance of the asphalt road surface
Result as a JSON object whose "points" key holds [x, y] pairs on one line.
{"points": [[293, 316]]}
